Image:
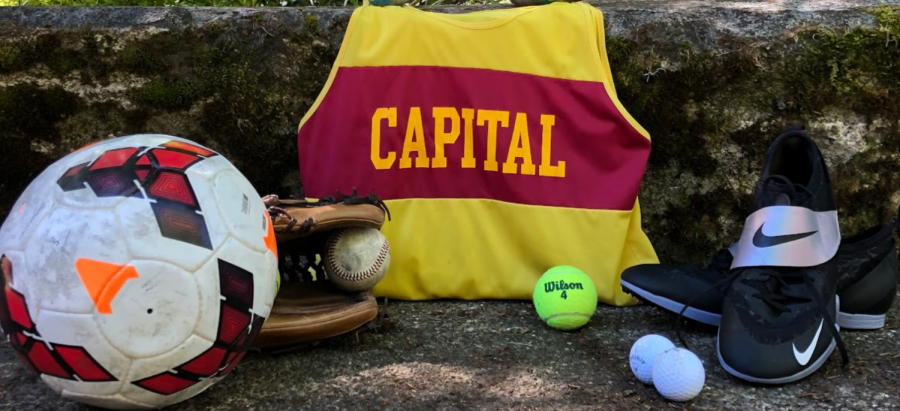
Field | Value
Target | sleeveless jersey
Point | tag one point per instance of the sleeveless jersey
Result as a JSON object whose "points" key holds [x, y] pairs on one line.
{"points": [[497, 142]]}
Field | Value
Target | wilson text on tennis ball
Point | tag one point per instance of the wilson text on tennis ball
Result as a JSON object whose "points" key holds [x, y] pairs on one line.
{"points": [[561, 285]]}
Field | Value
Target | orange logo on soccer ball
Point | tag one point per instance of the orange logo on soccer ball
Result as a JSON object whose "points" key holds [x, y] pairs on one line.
{"points": [[271, 244], [103, 281]]}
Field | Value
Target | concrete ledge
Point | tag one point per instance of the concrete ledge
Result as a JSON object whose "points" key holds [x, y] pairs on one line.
{"points": [[713, 83]]}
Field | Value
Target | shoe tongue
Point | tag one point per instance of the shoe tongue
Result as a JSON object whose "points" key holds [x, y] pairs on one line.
{"points": [[782, 200], [776, 194]]}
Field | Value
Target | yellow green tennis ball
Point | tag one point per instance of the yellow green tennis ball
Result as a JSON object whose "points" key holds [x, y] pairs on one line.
{"points": [[565, 297], [277, 281]]}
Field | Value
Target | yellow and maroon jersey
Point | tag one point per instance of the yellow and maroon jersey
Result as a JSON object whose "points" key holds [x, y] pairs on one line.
{"points": [[495, 138]]}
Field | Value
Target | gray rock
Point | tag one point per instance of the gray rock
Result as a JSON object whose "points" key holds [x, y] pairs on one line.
{"points": [[713, 83]]}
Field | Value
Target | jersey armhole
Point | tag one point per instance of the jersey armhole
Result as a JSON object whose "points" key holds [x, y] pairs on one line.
{"points": [[598, 50], [335, 66]]}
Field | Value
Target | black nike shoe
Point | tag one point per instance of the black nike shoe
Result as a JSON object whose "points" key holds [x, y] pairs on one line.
{"points": [[867, 263], [869, 276], [778, 315], [700, 289]]}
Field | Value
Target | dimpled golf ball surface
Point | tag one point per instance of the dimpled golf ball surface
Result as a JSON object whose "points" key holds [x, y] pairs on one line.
{"points": [[643, 354], [678, 374]]}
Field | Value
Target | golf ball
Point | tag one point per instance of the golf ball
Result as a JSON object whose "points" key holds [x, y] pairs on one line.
{"points": [[678, 374], [643, 354]]}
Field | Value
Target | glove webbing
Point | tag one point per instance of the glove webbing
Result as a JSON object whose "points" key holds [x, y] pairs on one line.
{"points": [[296, 257], [350, 199]]}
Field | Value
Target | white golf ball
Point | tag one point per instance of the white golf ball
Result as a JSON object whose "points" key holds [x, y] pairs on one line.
{"points": [[678, 374], [643, 354]]}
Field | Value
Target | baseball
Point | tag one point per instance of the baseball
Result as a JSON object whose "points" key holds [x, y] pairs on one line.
{"points": [[357, 258]]}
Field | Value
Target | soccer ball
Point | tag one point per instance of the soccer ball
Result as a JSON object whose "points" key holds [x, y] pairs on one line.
{"points": [[136, 271]]}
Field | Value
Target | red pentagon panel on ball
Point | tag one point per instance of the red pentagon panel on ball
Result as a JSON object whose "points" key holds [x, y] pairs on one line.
{"points": [[113, 158], [231, 324], [189, 147], [241, 342], [174, 159], [236, 283], [111, 183], [172, 186], [207, 363], [18, 339], [181, 222], [143, 161], [74, 170], [165, 383], [44, 361], [84, 366], [18, 310]]}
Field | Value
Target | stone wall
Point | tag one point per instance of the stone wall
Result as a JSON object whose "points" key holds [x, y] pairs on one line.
{"points": [[712, 81]]}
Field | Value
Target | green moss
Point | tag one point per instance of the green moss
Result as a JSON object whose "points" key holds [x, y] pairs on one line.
{"points": [[696, 102], [888, 17], [711, 112], [244, 107], [137, 59], [11, 58], [16, 56], [167, 94], [312, 24], [858, 64], [29, 116], [61, 60], [214, 29], [55, 52], [666, 93], [27, 110]]}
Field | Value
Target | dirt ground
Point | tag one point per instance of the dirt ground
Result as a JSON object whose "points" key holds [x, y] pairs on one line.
{"points": [[497, 355]]}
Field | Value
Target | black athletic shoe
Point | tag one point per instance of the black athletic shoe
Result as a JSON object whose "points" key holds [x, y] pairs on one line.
{"points": [[778, 315], [867, 263], [701, 289]]}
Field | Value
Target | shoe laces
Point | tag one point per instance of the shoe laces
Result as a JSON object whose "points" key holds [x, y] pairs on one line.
{"points": [[719, 266], [726, 280], [788, 184], [828, 320], [777, 300]]}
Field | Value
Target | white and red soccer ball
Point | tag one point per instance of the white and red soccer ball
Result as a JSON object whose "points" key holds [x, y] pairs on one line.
{"points": [[136, 271]]}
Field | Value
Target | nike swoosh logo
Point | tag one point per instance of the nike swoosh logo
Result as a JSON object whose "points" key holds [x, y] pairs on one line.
{"points": [[804, 356], [761, 240]]}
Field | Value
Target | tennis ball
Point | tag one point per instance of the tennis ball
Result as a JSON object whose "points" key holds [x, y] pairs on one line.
{"points": [[565, 297]]}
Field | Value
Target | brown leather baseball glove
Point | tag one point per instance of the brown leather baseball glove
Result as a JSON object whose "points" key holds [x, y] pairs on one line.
{"points": [[308, 306]]}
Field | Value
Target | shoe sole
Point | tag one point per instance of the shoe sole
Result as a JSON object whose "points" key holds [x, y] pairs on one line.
{"points": [[705, 317], [783, 380], [845, 320], [861, 321]]}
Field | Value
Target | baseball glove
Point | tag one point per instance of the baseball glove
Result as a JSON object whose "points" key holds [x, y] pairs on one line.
{"points": [[308, 307]]}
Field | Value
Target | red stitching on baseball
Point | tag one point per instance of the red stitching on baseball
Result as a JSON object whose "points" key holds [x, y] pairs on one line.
{"points": [[341, 272]]}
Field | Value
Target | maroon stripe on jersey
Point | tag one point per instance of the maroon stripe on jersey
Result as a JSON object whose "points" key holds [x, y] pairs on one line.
{"points": [[604, 155]]}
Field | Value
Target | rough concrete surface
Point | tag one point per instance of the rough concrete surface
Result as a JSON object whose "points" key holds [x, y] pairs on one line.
{"points": [[497, 355]]}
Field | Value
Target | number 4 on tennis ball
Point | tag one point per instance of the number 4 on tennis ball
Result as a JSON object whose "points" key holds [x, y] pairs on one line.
{"points": [[565, 298]]}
